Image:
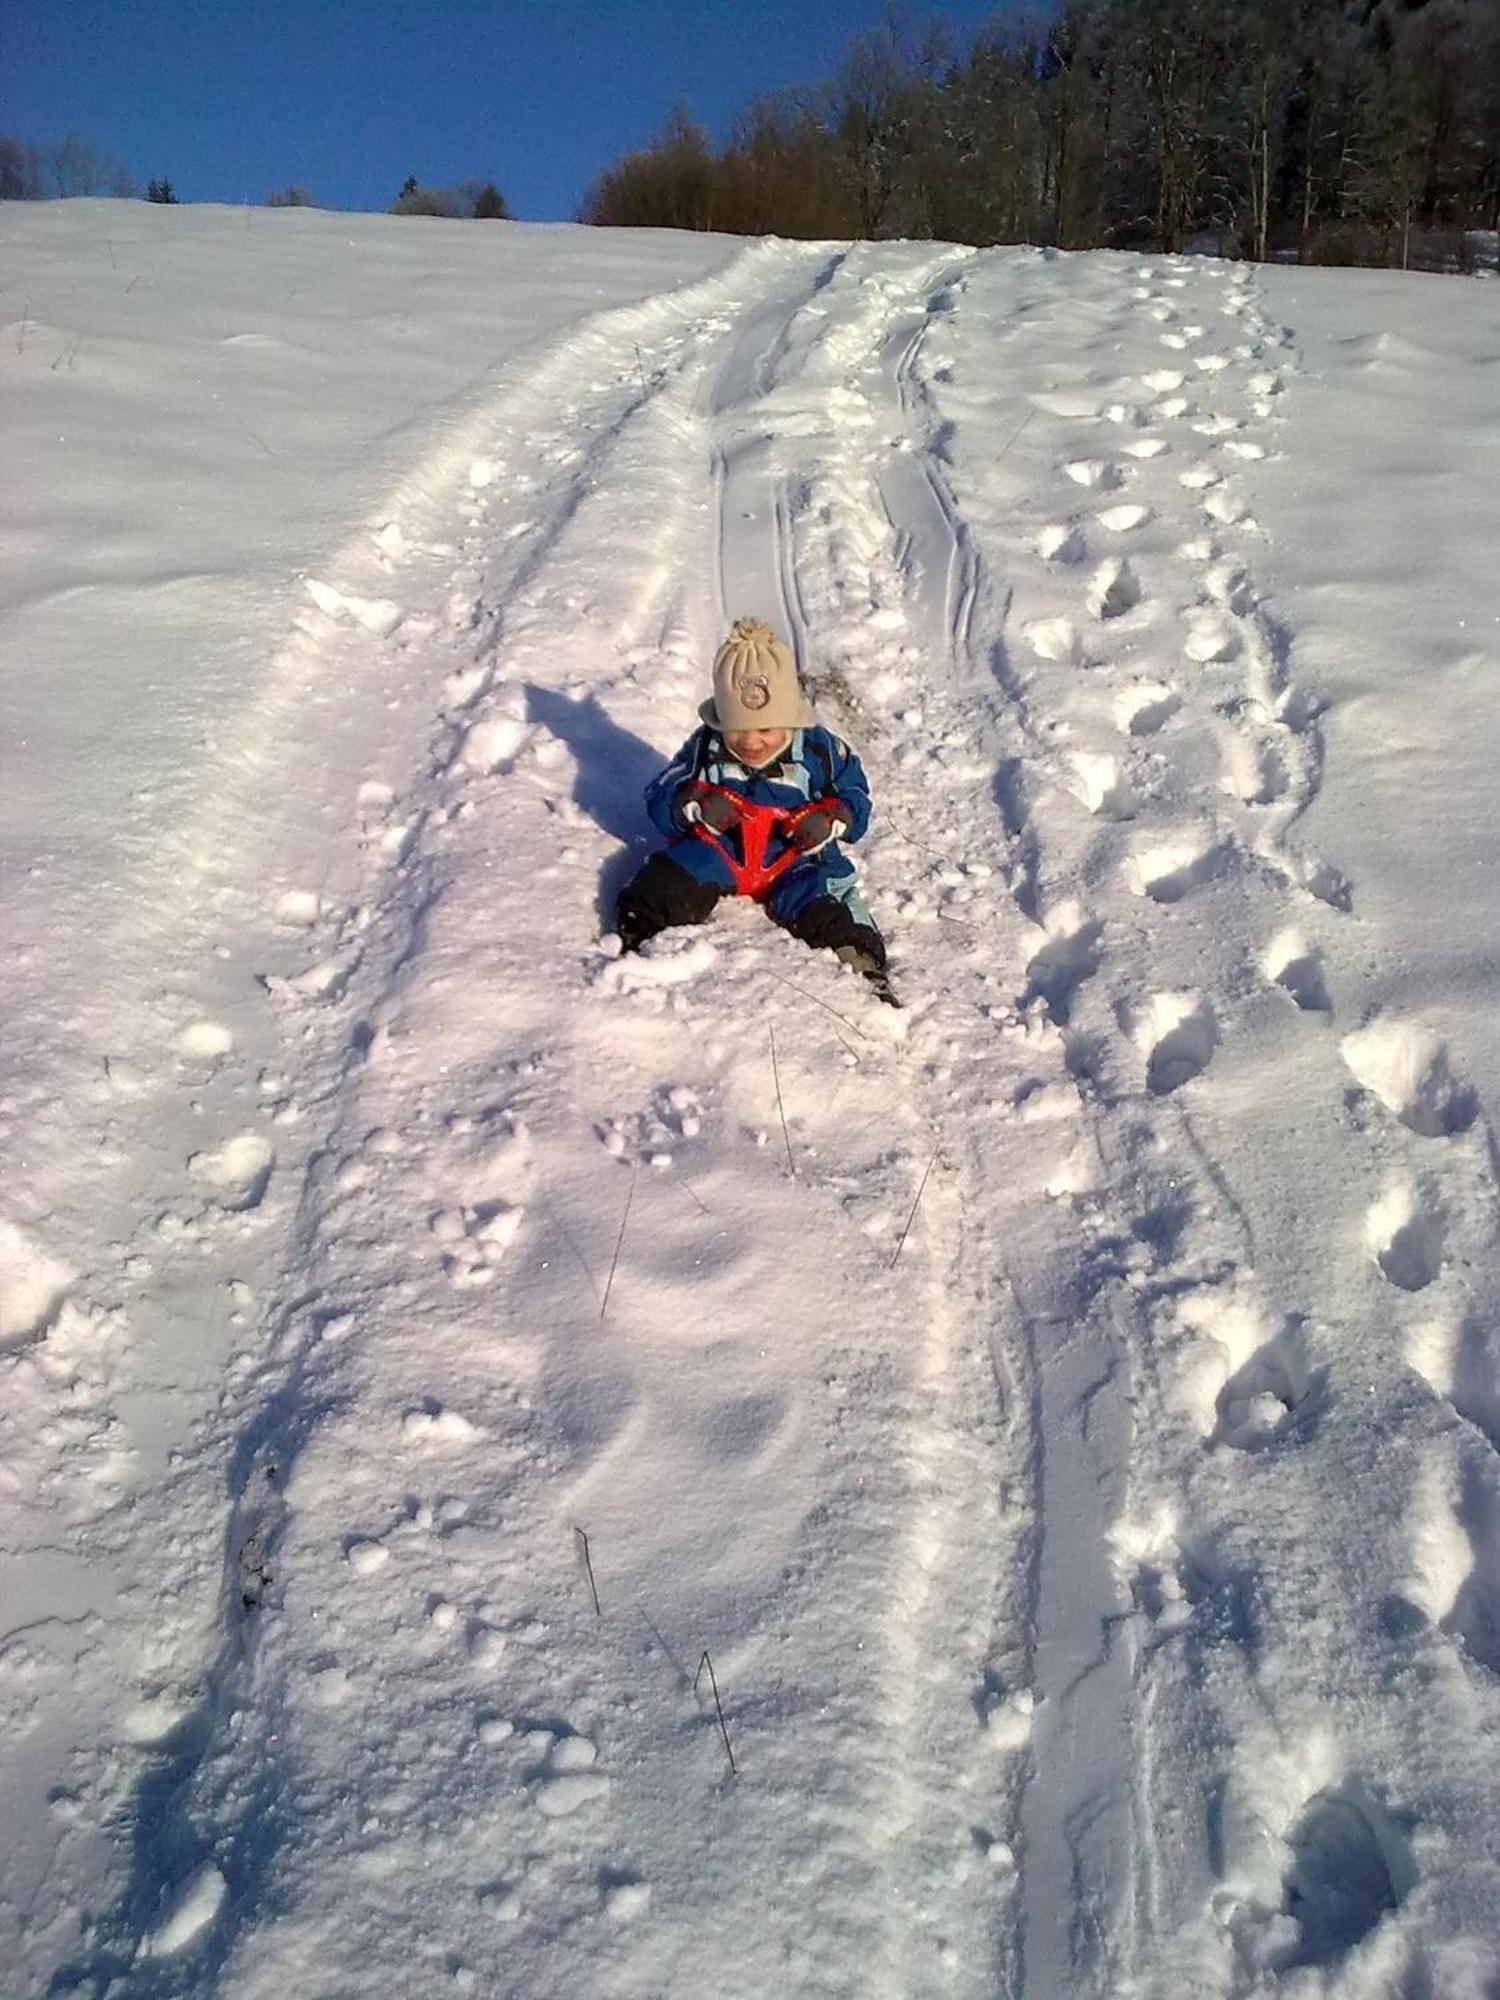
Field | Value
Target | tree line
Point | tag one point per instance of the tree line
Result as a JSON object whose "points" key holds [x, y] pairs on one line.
{"points": [[71, 167], [74, 167], [1334, 131]]}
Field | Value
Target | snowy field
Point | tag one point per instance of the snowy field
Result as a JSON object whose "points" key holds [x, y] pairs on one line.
{"points": [[1066, 1413]]}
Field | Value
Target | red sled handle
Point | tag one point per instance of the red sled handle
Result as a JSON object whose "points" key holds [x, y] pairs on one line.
{"points": [[758, 827]]}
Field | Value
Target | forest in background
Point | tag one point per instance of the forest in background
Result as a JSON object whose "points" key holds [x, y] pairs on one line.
{"points": [[1330, 131]]}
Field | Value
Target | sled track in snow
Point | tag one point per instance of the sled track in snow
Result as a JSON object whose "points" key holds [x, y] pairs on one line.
{"points": [[365, 962], [220, 1795], [843, 580]]}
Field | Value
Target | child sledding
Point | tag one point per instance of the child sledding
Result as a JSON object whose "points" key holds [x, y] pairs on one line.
{"points": [[756, 803]]}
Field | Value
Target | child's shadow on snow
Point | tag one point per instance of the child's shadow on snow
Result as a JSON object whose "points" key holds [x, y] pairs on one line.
{"points": [[612, 769]]}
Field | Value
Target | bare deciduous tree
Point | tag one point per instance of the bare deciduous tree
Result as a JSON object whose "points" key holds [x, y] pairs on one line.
{"points": [[78, 167], [22, 170]]}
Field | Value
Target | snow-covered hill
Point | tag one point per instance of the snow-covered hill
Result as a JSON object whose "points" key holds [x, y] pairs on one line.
{"points": [[535, 1474]]}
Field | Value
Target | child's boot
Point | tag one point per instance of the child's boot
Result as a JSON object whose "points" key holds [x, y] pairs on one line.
{"points": [[868, 966]]}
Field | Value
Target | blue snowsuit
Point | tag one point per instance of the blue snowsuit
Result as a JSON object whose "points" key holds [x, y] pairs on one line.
{"points": [[816, 764]]}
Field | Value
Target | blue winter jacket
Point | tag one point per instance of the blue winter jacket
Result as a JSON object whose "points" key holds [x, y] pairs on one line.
{"points": [[816, 764]]}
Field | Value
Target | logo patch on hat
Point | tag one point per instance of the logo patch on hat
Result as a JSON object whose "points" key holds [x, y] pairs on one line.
{"points": [[754, 692]]}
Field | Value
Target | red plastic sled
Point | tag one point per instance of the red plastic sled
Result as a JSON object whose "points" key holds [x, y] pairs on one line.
{"points": [[758, 826]]}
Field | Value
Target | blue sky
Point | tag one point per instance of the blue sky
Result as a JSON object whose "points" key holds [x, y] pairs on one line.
{"points": [[348, 97]]}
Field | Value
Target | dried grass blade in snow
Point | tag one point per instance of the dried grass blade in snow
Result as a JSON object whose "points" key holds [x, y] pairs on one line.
{"points": [[781, 1107], [619, 1240], [713, 1682], [921, 1190]]}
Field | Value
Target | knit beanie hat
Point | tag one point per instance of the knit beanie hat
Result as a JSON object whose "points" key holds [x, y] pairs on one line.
{"points": [[755, 683]]}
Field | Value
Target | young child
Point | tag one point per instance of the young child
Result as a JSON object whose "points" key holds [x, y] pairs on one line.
{"points": [[760, 742]]}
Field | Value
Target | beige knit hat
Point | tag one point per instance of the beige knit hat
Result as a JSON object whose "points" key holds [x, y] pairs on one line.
{"points": [[755, 683]]}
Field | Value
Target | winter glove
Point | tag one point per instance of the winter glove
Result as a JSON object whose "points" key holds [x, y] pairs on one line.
{"points": [[809, 835], [695, 807]]}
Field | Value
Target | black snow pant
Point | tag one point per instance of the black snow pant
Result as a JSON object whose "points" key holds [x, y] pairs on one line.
{"points": [[661, 894]]}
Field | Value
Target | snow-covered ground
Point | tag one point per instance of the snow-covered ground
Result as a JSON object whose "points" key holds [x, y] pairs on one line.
{"points": [[459, 1389]]}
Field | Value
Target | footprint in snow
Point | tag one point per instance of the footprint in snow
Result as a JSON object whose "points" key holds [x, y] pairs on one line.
{"points": [[1055, 639], [1254, 771], [1350, 1866], [1453, 1533], [1291, 965], [1178, 1034], [1144, 1555], [1146, 708], [1101, 473], [1474, 1619], [1227, 510], [1123, 520], [1228, 583], [1168, 871], [1210, 640], [1070, 956], [1061, 542], [1098, 782], [1406, 1232], [1458, 1357], [1247, 1379], [1408, 1069], [1114, 589], [1320, 878]]}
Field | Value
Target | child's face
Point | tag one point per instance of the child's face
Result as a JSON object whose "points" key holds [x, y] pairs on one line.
{"points": [[757, 746]]}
